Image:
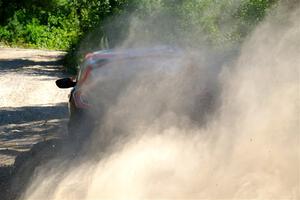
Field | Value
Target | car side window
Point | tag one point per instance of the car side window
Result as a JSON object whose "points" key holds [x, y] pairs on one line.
{"points": [[79, 73]]}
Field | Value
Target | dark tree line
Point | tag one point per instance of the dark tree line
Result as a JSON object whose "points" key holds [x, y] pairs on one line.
{"points": [[55, 24]]}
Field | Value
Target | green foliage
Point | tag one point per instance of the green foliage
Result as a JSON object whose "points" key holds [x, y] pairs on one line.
{"points": [[54, 24], [45, 24], [85, 25], [250, 13], [194, 22]]}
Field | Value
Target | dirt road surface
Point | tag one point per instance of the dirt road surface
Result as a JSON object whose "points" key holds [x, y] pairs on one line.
{"points": [[32, 108]]}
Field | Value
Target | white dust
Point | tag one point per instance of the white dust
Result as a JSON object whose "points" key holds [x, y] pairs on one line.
{"points": [[248, 149]]}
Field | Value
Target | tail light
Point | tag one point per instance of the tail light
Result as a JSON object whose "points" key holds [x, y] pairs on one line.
{"points": [[89, 55], [80, 99], [85, 75]]}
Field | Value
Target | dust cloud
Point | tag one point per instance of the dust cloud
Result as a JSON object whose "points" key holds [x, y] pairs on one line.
{"points": [[164, 143]]}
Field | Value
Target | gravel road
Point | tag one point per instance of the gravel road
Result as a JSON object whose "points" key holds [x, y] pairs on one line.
{"points": [[32, 108]]}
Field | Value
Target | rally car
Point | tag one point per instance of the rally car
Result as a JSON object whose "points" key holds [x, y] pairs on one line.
{"points": [[81, 120]]}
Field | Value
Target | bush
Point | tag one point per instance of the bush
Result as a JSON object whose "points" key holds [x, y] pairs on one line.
{"points": [[64, 24]]}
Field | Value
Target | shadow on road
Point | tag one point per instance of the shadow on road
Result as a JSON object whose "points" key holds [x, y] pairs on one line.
{"points": [[9, 152], [36, 68], [26, 114], [13, 64], [29, 135], [20, 128]]}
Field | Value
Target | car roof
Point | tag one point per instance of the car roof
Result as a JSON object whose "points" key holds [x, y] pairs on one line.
{"points": [[93, 59], [134, 53]]}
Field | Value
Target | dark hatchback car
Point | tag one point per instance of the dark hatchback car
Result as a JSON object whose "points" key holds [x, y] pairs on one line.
{"points": [[81, 120]]}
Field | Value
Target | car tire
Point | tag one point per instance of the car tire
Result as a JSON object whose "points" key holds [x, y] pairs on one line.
{"points": [[80, 126]]}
